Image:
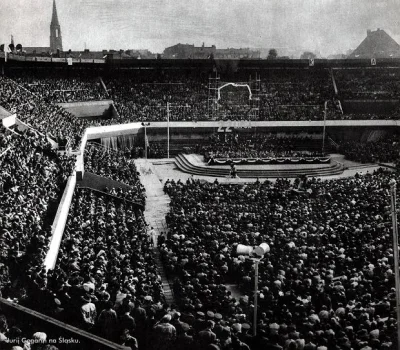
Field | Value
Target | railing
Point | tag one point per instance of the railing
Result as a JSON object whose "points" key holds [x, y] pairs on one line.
{"points": [[13, 57], [60, 334], [134, 204]]}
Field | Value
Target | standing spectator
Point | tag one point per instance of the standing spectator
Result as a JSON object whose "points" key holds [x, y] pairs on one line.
{"points": [[88, 313], [164, 334], [107, 322]]}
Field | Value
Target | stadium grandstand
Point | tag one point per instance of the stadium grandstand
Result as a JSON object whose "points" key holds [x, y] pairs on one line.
{"points": [[205, 204]]}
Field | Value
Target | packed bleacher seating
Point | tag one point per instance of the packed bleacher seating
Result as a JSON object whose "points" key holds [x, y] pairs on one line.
{"points": [[105, 263], [386, 150], [145, 99], [61, 88], [327, 281], [294, 94], [373, 83], [113, 164], [47, 118], [291, 94], [32, 180], [260, 146]]}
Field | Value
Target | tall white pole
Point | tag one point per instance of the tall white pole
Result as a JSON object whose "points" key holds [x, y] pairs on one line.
{"points": [[395, 254], [145, 141], [168, 130], [256, 261], [323, 134]]}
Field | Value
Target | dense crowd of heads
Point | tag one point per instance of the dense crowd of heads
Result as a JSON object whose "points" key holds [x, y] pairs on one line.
{"points": [[280, 94], [12, 337], [368, 84], [328, 279], [113, 164], [63, 88], [47, 118], [32, 180], [383, 150], [105, 266], [260, 146]]}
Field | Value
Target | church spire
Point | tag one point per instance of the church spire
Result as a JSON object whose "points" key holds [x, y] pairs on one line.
{"points": [[54, 18], [55, 31]]}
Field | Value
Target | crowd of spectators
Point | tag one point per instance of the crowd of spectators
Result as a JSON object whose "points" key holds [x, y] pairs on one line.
{"points": [[372, 84], [291, 94], [113, 164], [55, 88], [260, 146], [105, 270], [32, 180], [45, 117], [327, 282], [386, 150], [12, 337], [147, 100]]}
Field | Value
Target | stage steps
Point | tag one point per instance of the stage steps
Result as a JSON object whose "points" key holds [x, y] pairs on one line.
{"points": [[185, 165]]}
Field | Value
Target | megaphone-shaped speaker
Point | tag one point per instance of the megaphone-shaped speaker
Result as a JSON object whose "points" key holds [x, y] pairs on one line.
{"points": [[244, 249], [262, 249]]}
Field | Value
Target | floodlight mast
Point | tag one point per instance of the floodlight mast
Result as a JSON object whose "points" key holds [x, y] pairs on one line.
{"points": [[255, 254]]}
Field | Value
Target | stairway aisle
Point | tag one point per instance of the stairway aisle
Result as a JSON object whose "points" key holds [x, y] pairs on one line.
{"points": [[157, 206]]}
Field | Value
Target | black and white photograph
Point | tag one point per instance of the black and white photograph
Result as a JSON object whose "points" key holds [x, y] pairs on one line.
{"points": [[199, 174]]}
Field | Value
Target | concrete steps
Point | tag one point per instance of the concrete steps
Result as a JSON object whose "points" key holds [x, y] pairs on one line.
{"points": [[157, 206], [184, 164]]}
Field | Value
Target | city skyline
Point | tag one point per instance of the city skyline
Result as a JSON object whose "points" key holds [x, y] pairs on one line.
{"points": [[325, 26]]}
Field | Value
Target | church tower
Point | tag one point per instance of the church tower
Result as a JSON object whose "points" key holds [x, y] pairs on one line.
{"points": [[55, 31]]}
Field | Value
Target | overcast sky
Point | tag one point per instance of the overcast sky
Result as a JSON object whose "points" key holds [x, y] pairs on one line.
{"points": [[328, 26]]}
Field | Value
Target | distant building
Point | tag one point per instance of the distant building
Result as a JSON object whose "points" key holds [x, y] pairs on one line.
{"points": [[377, 44], [237, 53], [189, 51]]}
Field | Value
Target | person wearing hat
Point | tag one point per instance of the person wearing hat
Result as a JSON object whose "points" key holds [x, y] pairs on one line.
{"points": [[244, 336], [206, 336], [164, 334], [200, 322], [237, 344], [128, 340], [218, 328], [107, 322], [184, 339], [88, 312]]}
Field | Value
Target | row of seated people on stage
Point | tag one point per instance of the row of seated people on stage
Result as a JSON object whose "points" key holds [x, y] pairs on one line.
{"points": [[115, 165], [105, 262], [327, 281], [62, 88], [32, 181], [368, 84], [259, 146], [45, 117]]}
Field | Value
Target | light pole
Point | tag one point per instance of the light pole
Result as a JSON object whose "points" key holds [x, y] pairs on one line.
{"points": [[255, 254], [392, 184], [323, 133], [145, 138]]}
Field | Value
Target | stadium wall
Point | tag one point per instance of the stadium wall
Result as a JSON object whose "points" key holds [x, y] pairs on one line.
{"points": [[59, 223], [101, 109], [99, 183]]}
